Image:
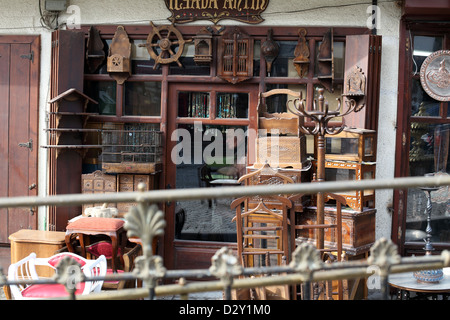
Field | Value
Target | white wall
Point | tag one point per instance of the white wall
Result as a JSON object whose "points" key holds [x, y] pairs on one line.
{"points": [[22, 17]]}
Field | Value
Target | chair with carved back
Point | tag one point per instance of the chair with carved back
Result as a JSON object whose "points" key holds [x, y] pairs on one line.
{"points": [[129, 255]]}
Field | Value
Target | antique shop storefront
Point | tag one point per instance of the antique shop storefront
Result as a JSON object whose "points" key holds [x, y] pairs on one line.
{"points": [[172, 97], [189, 90]]}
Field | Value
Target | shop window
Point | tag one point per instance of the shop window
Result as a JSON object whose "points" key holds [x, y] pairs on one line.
{"points": [[140, 59], [193, 104], [232, 105], [188, 66], [142, 99], [104, 92], [207, 220], [427, 149]]}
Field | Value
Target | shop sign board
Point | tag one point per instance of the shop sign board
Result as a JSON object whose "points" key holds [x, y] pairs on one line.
{"points": [[248, 11]]}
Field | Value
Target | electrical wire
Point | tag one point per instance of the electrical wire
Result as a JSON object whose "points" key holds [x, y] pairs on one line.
{"points": [[48, 19]]}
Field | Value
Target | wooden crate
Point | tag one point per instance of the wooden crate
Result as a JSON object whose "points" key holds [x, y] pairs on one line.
{"points": [[358, 228], [281, 151]]}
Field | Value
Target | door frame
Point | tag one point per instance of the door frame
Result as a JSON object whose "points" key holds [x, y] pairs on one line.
{"points": [[34, 75], [180, 253]]}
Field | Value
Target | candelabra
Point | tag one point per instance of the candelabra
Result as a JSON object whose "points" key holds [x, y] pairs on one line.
{"points": [[321, 115]]}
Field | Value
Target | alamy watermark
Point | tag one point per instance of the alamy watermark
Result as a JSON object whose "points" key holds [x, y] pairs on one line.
{"points": [[373, 21]]}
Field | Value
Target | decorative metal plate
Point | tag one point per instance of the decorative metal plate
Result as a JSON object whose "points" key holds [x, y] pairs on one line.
{"points": [[435, 75]]}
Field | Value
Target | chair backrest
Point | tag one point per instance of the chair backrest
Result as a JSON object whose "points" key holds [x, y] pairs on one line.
{"points": [[25, 269]]}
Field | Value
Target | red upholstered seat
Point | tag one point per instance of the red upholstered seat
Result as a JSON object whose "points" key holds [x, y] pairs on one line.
{"points": [[49, 291], [57, 258], [100, 224], [110, 271], [102, 248]]}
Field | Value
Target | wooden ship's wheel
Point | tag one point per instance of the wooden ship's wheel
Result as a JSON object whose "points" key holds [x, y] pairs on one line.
{"points": [[162, 46]]}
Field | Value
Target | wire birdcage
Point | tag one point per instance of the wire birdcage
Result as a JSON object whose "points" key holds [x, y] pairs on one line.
{"points": [[136, 146]]}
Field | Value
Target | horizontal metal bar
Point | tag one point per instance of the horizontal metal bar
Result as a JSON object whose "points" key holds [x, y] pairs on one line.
{"points": [[157, 196]]}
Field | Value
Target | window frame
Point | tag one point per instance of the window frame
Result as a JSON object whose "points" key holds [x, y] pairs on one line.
{"points": [[408, 29]]}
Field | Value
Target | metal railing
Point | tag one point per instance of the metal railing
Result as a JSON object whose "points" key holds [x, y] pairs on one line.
{"points": [[146, 221]]}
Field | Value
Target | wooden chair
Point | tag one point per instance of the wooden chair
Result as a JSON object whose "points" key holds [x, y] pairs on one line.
{"points": [[85, 227], [263, 229], [335, 253], [105, 248]]}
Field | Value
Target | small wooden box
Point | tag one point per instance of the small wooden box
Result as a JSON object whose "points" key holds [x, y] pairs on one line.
{"points": [[358, 145], [358, 229], [281, 151], [118, 63], [98, 182]]}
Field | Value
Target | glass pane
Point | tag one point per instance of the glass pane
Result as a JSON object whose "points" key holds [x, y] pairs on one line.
{"points": [[189, 67], [416, 219], [207, 156], [256, 57], [330, 97], [232, 105], [142, 99], [428, 148], [341, 145], [104, 92], [193, 104], [368, 146], [339, 59], [423, 47], [421, 103], [277, 103], [283, 65], [141, 62]]}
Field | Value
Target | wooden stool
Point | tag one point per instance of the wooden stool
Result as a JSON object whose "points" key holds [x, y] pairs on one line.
{"points": [[110, 227]]}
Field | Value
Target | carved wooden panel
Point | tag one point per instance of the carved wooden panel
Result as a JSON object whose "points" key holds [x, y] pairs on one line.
{"points": [[235, 56]]}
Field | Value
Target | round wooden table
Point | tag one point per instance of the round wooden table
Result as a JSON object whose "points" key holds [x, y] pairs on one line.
{"points": [[405, 283]]}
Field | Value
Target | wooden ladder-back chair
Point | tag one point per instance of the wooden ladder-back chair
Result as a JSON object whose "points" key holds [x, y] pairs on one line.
{"points": [[336, 250], [270, 177], [262, 229]]}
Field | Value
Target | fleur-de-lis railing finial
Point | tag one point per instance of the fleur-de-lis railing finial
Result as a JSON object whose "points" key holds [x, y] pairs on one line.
{"points": [[225, 266], [306, 258], [384, 254], [146, 222]]}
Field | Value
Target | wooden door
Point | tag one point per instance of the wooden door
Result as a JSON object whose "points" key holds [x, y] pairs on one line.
{"points": [[193, 238], [19, 88]]}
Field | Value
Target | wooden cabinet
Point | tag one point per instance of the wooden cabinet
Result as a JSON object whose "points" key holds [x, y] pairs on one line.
{"points": [[43, 243], [359, 145], [100, 182], [358, 228]]}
